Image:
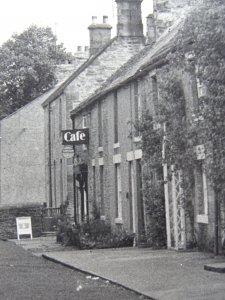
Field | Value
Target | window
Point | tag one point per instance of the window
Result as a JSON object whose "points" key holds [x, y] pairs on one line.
{"points": [[131, 197], [60, 115], [55, 186], [201, 88], [53, 122], [155, 94], [140, 201], [137, 106], [118, 190], [94, 184], [115, 118], [61, 180], [84, 121], [101, 170], [100, 124], [84, 125], [201, 193]]}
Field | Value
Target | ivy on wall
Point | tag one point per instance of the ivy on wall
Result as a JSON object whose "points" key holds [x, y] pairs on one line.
{"points": [[199, 52], [153, 185], [205, 31]]}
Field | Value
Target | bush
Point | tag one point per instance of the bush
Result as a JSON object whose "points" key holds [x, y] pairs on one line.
{"points": [[106, 237], [95, 233]]}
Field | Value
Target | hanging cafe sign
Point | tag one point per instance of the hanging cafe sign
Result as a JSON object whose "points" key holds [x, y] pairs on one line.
{"points": [[75, 136]]}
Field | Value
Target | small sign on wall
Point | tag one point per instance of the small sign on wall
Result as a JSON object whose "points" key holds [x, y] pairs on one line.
{"points": [[199, 152], [24, 227]]}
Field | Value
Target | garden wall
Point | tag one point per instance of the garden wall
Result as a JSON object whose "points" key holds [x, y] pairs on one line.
{"points": [[8, 215]]}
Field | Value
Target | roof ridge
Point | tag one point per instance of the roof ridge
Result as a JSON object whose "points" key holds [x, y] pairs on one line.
{"points": [[106, 88]]}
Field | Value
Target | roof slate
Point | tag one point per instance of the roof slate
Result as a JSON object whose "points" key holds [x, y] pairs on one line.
{"points": [[136, 66], [78, 71]]}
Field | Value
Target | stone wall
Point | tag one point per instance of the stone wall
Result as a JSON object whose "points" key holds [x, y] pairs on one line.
{"points": [[8, 215], [202, 233], [22, 170], [22, 150], [125, 152], [86, 83]]}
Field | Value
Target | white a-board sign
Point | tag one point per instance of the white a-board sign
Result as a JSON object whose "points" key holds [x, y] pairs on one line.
{"points": [[24, 227]]}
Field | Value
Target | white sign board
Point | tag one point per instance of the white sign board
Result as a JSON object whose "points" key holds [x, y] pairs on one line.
{"points": [[23, 225], [68, 152], [200, 152]]}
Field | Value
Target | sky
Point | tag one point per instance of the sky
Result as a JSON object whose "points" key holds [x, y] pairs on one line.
{"points": [[68, 19]]}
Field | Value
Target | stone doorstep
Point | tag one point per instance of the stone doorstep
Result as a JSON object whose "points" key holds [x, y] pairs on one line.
{"points": [[216, 267], [48, 233]]}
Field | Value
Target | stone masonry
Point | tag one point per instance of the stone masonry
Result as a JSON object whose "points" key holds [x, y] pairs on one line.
{"points": [[80, 85]]}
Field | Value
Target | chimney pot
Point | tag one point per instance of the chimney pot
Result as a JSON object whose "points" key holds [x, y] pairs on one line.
{"points": [[94, 20], [79, 48], [86, 48], [105, 19]]}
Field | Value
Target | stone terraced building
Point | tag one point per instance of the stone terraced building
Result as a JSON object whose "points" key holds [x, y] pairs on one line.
{"points": [[112, 163], [107, 94]]}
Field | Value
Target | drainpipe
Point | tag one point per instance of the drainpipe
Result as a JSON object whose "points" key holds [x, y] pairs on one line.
{"points": [[74, 182], [0, 162], [50, 156], [216, 250]]}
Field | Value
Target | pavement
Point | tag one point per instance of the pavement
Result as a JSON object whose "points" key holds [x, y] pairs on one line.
{"points": [[157, 274]]}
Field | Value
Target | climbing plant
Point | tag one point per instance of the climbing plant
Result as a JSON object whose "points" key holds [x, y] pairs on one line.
{"points": [[199, 53], [201, 50], [153, 186]]}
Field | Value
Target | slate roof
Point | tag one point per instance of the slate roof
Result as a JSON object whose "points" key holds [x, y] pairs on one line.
{"points": [[77, 72], [136, 66]]}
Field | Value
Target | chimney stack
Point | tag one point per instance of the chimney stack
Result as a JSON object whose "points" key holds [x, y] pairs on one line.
{"points": [[129, 21], [100, 34]]}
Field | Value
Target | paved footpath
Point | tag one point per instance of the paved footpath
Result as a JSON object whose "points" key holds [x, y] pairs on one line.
{"points": [[159, 274], [24, 276]]}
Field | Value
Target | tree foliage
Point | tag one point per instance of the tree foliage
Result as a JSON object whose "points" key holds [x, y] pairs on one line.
{"points": [[27, 64]]}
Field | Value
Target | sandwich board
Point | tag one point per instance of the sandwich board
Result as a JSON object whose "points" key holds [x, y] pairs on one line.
{"points": [[24, 227]]}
